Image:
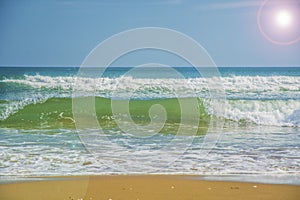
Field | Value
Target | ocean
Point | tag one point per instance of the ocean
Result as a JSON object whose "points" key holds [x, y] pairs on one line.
{"points": [[54, 122]]}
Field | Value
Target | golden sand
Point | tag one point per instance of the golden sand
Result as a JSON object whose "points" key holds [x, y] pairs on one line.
{"points": [[144, 187]]}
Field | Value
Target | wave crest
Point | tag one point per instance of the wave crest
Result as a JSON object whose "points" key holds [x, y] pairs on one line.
{"points": [[270, 100]]}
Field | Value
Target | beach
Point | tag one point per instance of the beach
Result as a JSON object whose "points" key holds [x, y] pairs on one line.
{"points": [[144, 187]]}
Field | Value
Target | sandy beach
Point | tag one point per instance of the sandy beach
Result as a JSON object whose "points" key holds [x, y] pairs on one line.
{"points": [[143, 187]]}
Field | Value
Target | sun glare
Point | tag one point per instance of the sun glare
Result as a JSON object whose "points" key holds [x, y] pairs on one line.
{"points": [[284, 18], [279, 21]]}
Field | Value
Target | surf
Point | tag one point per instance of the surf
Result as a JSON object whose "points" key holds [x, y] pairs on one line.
{"points": [[39, 101]]}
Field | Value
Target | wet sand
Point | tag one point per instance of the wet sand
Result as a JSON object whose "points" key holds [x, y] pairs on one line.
{"points": [[143, 187]]}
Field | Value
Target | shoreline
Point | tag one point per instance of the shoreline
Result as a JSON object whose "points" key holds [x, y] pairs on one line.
{"points": [[278, 179], [143, 187]]}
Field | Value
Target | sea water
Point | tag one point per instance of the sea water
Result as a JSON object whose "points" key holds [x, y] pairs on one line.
{"points": [[259, 134]]}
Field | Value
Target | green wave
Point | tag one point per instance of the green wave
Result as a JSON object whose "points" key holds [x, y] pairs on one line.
{"points": [[3, 101], [57, 113]]}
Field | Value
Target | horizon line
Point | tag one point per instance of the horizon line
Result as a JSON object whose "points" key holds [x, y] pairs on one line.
{"points": [[78, 66]]}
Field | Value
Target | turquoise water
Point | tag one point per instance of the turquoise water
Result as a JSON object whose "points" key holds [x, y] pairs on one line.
{"points": [[152, 121]]}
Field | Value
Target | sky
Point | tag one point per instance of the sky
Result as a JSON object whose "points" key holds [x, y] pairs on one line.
{"points": [[63, 32]]}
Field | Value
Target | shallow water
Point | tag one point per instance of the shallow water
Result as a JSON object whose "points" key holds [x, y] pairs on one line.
{"points": [[257, 133]]}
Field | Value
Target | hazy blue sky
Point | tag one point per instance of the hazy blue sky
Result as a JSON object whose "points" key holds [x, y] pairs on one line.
{"points": [[63, 32]]}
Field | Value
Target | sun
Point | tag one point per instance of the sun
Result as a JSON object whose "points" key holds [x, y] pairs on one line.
{"points": [[284, 18], [279, 21]]}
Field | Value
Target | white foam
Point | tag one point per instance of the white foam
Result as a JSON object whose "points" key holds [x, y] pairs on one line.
{"points": [[270, 100], [275, 112], [14, 106], [250, 151], [235, 86]]}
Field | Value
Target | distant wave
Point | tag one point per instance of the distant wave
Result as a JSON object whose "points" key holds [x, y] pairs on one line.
{"points": [[237, 87]]}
